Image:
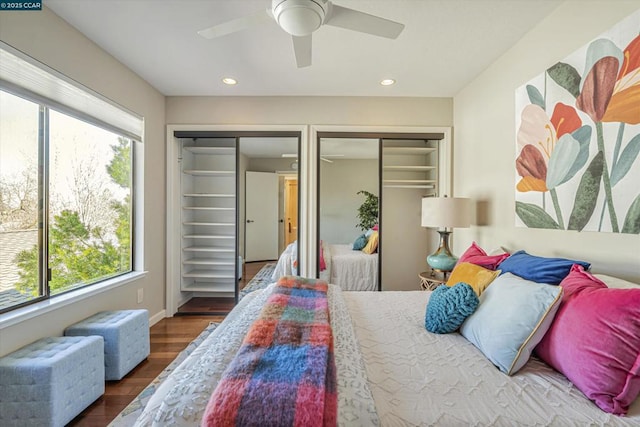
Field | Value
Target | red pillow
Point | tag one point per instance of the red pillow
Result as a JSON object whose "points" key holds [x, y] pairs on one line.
{"points": [[595, 340], [476, 255]]}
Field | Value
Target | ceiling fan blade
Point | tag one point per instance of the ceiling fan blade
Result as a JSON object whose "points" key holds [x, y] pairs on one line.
{"points": [[350, 19], [236, 25], [302, 49]]}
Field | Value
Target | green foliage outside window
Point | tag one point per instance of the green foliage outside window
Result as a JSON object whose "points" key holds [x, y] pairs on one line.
{"points": [[80, 254]]}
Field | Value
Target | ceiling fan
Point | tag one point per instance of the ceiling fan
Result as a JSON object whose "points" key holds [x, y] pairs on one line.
{"points": [[300, 18]]}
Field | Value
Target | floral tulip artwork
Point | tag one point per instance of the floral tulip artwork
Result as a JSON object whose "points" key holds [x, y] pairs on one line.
{"points": [[578, 138]]}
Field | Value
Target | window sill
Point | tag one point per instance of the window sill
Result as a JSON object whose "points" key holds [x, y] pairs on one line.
{"points": [[33, 310]]}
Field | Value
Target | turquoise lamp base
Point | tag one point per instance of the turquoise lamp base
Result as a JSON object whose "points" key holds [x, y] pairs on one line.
{"points": [[442, 259]]}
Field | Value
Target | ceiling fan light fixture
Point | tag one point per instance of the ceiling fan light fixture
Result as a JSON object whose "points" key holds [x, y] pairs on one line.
{"points": [[229, 81], [299, 17], [387, 82]]}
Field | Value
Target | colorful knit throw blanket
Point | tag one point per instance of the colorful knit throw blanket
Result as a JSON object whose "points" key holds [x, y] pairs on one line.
{"points": [[284, 373]]}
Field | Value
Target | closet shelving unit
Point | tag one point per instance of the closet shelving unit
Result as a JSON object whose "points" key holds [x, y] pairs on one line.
{"points": [[209, 217], [410, 164]]}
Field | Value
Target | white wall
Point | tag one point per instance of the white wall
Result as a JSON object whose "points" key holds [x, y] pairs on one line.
{"points": [[49, 39], [484, 149], [340, 182], [375, 111]]}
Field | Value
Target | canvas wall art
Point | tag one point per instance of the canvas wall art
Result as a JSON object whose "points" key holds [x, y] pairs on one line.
{"points": [[578, 138]]}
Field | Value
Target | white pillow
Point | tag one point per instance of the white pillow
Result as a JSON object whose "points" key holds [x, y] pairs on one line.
{"points": [[614, 282], [513, 316]]}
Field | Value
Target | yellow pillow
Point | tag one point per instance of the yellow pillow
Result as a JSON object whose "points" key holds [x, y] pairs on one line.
{"points": [[372, 244], [475, 276]]}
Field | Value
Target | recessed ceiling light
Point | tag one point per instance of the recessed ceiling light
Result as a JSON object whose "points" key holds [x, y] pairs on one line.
{"points": [[229, 81], [387, 82]]}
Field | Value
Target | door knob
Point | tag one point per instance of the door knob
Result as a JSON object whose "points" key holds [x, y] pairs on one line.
{"points": [[250, 221]]}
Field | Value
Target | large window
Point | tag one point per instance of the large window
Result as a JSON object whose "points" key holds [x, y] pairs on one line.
{"points": [[66, 198]]}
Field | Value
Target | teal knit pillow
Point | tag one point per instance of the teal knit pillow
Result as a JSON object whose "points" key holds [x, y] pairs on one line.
{"points": [[360, 242], [448, 308]]}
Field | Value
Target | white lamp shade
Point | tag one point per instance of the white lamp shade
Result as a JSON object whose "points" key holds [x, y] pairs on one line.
{"points": [[446, 212]]}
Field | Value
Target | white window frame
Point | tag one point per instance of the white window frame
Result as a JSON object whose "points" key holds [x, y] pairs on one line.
{"points": [[28, 78]]}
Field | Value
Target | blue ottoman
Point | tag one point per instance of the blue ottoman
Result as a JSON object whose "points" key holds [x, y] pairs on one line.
{"points": [[51, 381], [126, 338]]}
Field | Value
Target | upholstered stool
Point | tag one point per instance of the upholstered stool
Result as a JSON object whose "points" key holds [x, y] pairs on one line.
{"points": [[51, 381], [126, 338]]}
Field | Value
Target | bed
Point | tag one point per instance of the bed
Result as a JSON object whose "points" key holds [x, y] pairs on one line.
{"points": [[391, 371], [350, 269]]}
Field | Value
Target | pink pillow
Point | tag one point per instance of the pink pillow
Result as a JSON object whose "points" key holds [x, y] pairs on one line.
{"points": [[595, 340], [476, 255], [323, 265]]}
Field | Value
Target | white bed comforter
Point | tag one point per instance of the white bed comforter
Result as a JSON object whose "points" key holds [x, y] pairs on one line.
{"points": [[344, 267], [182, 398], [352, 270], [420, 378], [287, 264]]}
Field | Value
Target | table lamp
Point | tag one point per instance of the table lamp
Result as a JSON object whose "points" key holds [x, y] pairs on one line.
{"points": [[445, 213]]}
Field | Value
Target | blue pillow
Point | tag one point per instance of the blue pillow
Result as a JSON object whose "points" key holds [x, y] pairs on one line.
{"points": [[513, 316], [360, 242], [448, 307], [539, 269]]}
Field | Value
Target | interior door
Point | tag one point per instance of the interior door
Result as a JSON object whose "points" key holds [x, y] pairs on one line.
{"points": [[261, 216], [291, 211]]}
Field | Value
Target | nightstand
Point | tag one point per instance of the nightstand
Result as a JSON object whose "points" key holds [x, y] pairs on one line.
{"points": [[429, 280]]}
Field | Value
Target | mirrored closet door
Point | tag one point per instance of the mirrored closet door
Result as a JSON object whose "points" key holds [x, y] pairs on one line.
{"points": [[370, 190], [348, 212]]}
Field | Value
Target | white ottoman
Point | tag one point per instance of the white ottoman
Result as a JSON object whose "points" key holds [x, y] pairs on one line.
{"points": [[51, 381], [126, 338]]}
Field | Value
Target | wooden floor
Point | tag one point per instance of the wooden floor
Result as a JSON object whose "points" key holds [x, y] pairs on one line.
{"points": [[168, 338]]}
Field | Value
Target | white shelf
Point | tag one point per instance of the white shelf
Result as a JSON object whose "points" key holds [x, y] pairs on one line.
{"points": [[217, 286], [198, 261], [409, 168], [208, 236], [209, 195], [221, 224], [208, 249], [408, 150], [199, 172], [212, 150], [207, 208], [208, 178], [409, 181], [414, 187], [209, 274]]}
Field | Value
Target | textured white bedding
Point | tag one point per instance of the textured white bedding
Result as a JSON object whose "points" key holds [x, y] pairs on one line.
{"points": [[353, 270], [349, 269], [287, 262], [420, 378]]}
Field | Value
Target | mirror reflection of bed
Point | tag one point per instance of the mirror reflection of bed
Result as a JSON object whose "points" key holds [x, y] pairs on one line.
{"points": [[348, 212]]}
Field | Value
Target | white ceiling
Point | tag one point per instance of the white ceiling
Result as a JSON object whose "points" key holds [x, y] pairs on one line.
{"points": [[444, 45]]}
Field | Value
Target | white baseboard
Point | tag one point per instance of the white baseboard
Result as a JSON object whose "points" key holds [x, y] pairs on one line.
{"points": [[157, 317]]}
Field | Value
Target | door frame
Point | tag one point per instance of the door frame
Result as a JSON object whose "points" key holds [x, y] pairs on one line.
{"points": [[173, 296]]}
